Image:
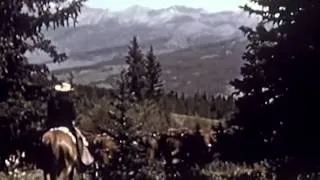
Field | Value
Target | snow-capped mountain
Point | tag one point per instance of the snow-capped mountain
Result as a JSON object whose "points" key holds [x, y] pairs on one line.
{"points": [[138, 14], [195, 47], [116, 28], [168, 29]]}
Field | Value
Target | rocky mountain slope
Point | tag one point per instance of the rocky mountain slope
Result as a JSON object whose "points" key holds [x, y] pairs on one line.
{"points": [[193, 43]]}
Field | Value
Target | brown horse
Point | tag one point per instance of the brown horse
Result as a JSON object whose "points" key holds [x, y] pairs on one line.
{"points": [[62, 152]]}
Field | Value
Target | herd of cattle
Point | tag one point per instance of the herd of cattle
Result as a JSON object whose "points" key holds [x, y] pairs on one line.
{"points": [[173, 147]]}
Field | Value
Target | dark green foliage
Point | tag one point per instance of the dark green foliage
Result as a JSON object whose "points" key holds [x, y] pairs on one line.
{"points": [[278, 110], [122, 103], [214, 107], [153, 74], [128, 163], [144, 73], [23, 85], [136, 70]]}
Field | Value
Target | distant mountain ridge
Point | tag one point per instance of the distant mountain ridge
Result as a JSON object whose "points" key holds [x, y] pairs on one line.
{"points": [[199, 50], [167, 29]]}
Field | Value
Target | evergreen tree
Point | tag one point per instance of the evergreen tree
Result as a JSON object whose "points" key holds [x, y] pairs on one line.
{"points": [[122, 103], [130, 160], [278, 109], [213, 107], [23, 85], [153, 74], [136, 70]]}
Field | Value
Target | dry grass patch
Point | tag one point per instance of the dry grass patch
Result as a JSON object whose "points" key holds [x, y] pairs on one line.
{"points": [[219, 170], [191, 121]]}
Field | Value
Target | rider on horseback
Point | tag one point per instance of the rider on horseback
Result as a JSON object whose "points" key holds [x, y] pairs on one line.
{"points": [[61, 113]]}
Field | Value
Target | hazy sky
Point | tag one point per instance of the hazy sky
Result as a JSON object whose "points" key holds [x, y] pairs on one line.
{"points": [[210, 5]]}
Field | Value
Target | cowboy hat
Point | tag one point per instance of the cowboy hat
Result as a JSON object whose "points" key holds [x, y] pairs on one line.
{"points": [[63, 87]]}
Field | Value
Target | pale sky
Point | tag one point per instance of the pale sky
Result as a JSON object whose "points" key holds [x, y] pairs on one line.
{"points": [[209, 5]]}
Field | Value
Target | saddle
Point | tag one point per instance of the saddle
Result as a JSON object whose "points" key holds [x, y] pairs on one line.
{"points": [[85, 155]]}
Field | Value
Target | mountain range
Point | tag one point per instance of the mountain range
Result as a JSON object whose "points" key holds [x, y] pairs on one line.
{"points": [[190, 43]]}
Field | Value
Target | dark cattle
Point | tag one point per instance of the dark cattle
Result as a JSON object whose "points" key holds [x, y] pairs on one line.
{"points": [[150, 142], [186, 146], [198, 147], [104, 148], [171, 144]]}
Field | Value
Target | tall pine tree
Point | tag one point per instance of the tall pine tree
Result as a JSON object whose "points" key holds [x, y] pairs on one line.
{"points": [[136, 70], [278, 109], [23, 85], [154, 86]]}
